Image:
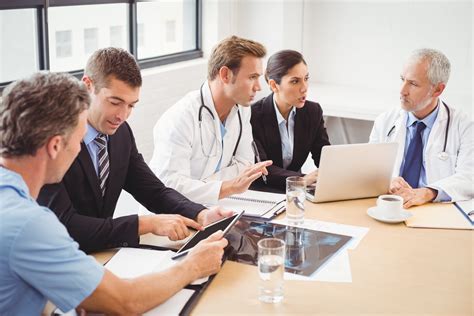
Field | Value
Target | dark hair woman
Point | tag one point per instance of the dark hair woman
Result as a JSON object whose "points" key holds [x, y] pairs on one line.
{"points": [[287, 127]]}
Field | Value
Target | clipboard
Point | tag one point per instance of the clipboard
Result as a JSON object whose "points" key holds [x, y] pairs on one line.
{"points": [[438, 215], [467, 209]]}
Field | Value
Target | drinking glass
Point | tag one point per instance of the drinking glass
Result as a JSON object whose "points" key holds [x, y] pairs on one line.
{"points": [[271, 268], [295, 197]]}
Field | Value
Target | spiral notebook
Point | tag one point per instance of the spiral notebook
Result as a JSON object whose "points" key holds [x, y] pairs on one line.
{"points": [[255, 203]]}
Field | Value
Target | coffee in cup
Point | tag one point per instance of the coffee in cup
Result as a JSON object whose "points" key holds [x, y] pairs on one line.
{"points": [[389, 206]]}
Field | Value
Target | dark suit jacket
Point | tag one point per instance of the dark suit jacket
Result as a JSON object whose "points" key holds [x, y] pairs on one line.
{"points": [[79, 205], [309, 137]]}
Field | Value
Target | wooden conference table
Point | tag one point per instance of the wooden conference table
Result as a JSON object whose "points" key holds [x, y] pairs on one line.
{"points": [[395, 270]]}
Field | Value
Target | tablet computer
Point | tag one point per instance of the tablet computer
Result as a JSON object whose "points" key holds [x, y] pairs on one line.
{"points": [[224, 224]]}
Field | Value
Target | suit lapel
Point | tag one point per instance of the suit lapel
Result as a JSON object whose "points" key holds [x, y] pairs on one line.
{"points": [[85, 161], [272, 133], [116, 150]]}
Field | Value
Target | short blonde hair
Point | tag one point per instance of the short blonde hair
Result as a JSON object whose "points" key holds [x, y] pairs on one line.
{"points": [[229, 53]]}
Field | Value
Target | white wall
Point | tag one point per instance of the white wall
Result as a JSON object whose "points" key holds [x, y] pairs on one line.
{"points": [[162, 87], [364, 43], [345, 42]]}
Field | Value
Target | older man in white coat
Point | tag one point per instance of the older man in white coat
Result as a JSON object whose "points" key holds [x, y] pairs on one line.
{"points": [[203, 142], [435, 159]]}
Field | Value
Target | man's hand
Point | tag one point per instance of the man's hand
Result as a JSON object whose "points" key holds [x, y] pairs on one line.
{"points": [[411, 196], [206, 258], [175, 227], [311, 177], [242, 182], [211, 215]]}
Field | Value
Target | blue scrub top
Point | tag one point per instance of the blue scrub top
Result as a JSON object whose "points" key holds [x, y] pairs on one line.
{"points": [[39, 261]]}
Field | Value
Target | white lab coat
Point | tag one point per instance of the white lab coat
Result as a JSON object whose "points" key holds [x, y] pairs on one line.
{"points": [[179, 159], [455, 175]]}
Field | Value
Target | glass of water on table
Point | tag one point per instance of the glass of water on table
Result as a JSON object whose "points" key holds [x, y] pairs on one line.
{"points": [[271, 268], [295, 197]]}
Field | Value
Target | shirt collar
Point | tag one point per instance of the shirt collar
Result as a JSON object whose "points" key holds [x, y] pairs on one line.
{"points": [[91, 134], [429, 120], [280, 118], [12, 179]]}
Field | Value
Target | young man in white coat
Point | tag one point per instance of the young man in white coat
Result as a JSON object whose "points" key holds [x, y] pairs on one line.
{"points": [[436, 147], [203, 142]]}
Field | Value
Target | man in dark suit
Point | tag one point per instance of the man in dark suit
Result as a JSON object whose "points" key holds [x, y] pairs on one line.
{"points": [[109, 161]]}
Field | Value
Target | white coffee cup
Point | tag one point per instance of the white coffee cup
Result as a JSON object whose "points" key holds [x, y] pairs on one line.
{"points": [[389, 206]]}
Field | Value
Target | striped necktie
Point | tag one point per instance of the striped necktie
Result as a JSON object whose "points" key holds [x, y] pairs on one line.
{"points": [[103, 159], [414, 157]]}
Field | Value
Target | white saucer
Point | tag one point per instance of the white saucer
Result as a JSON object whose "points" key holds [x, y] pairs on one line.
{"points": [[403, 216]]}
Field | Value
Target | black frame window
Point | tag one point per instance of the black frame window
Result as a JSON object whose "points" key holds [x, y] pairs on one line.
{"points": [[133, 36]]}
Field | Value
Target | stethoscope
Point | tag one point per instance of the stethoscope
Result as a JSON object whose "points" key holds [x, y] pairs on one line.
{"points": [[442, 155], [203, 106]]}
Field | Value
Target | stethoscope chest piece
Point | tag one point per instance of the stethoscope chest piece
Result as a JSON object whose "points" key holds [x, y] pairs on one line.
{"points": [[443, 156]]}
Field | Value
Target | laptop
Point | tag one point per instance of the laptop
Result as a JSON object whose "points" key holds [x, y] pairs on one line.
{"points": [[353, 171]]}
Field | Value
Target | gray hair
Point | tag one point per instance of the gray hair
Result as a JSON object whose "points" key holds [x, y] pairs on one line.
{"points": [[37, 108], [439, 66]]}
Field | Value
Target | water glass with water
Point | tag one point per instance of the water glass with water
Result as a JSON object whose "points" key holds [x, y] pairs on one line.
{"points": [[295, 198], [271, 268]]}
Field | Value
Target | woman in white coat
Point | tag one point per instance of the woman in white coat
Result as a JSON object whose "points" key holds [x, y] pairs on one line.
{"points": [[447, 169]]}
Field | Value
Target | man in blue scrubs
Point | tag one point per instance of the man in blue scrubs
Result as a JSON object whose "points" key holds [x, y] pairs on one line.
{"points": [[42, 122]]}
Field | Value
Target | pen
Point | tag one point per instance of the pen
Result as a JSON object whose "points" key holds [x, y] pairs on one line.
{"points": [[278, 212], [257, 156], [179, 255]]}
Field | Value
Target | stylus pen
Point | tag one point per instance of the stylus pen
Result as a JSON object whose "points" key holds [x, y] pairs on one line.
{"points": [[179, 255], [257, 156]]}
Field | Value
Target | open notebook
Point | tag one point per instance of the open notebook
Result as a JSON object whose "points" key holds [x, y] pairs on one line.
{"points": [[255, 203]]}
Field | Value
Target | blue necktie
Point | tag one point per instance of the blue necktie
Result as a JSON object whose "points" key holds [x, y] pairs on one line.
{"points": [[414, 157]]}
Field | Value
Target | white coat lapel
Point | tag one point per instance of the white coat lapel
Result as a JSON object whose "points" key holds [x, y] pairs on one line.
{"points": [[211, 164], [230, 138], [438, 130], [399, 137]]}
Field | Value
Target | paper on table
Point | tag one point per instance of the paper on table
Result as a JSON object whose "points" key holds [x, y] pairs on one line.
{"points": [[173, 305], [338, 268], [134, 262]]}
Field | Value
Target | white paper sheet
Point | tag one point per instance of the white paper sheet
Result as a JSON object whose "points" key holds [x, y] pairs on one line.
{"points": [[338, 268], [130, 263], [173, 305]]}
